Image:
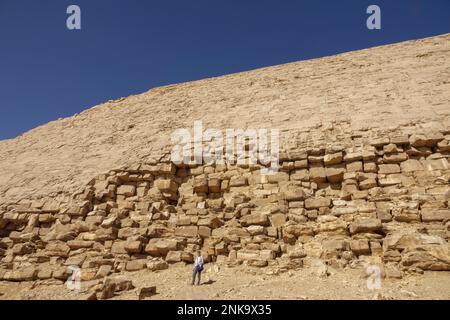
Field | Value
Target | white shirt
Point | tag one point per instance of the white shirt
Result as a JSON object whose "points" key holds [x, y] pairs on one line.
{"points": [[198, 261]]}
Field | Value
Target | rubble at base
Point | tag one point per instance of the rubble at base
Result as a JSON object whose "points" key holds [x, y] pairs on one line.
{"points": [[371, 197]]}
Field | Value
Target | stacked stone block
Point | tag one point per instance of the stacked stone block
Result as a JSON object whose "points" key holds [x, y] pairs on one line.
{"points": [[385, 199]]}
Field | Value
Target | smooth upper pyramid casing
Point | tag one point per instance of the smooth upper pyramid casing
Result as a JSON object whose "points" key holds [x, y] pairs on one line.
{"points": [[404, 84]]}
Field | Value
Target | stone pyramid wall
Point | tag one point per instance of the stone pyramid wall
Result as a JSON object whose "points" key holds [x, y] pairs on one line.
{"points": [[353, 187]]}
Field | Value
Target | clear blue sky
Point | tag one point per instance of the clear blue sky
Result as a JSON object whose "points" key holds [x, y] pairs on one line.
{"points": [[129, 46]]}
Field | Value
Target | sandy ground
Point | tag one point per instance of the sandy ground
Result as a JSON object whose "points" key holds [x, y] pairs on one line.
{"points": [[250, 283]]}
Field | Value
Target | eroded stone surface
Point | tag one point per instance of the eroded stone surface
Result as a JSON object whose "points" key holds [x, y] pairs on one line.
{"points": [[363, 177]]}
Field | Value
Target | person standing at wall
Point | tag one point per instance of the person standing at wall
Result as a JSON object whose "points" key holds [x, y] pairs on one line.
{"points": [[198, 268]]}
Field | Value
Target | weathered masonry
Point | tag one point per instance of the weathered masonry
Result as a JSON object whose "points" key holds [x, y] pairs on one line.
{"points": [[348, 198]]}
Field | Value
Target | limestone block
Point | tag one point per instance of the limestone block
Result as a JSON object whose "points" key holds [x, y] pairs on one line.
{"points": [[315, 203], [365, 225]]}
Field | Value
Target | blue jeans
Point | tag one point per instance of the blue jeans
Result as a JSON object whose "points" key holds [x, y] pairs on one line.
{"points": [[194, 274]]}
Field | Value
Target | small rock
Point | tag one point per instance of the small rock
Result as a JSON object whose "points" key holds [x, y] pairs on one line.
{"points": [[409, 293], [89, 296], [112, 285], [146, 292]]}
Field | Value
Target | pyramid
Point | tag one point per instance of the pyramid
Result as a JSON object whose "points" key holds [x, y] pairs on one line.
{"points": [[362, 173]]}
